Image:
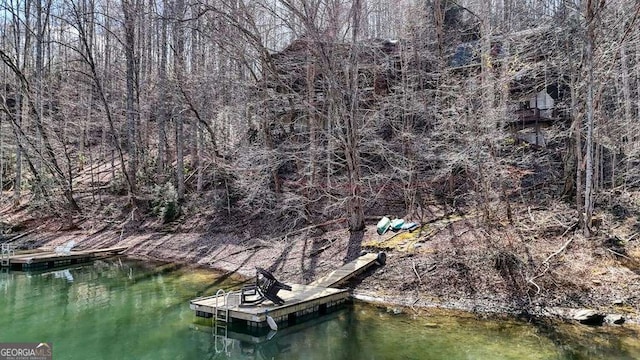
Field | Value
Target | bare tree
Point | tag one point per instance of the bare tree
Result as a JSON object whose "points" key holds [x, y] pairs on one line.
{"points": [[129, 10], [179, 63]]}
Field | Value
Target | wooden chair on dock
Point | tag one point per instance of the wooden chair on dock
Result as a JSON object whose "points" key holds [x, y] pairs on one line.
{"points": [[265, 288]]}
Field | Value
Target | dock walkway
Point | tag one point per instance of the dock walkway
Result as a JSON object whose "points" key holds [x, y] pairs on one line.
{"points": [[349, 270]]}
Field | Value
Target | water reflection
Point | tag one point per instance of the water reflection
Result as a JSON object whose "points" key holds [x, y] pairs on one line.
{"points": [[5, 279], [238, 342], [63, 274], [365, 332]]}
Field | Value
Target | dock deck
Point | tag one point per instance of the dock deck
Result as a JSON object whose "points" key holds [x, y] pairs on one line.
{"points": [[316, 298], [47, 259]]}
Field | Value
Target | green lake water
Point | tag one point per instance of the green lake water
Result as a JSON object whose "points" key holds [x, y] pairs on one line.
{"points": [[119, 309]]}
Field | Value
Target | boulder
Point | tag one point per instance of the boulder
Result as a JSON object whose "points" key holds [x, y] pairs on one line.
{"points": [[614, 319], [588, 317], [395, 310]]}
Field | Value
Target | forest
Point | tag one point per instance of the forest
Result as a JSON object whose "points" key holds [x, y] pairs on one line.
{"points": [[293, 113]]}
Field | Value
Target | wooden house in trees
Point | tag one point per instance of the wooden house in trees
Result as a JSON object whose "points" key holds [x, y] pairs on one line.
{"points": [[529, 61], [306, 73], [306, 82]]}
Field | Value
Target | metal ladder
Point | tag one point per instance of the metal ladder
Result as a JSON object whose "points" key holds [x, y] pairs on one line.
{"points": [[220, 320], [7, 253]]}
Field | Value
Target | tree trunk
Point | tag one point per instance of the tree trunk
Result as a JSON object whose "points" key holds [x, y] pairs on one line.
{"points": [[629, 129], [438, 19], [178, 41], [355, 207], [128, 10], [577, 133], [589, 182], [17, 186], [162, 112]]}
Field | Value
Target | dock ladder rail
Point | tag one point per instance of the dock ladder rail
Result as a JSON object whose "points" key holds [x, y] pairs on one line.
{"points": [[224, 301], [7, 253], [221, 320], [221, 314]]}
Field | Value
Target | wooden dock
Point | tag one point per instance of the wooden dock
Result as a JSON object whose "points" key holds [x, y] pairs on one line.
{"points": [[49, 259], [300, 301], [319, 297]]}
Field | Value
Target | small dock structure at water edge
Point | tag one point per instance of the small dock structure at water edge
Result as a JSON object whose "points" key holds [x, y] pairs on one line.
{"points": [[61, 256], [295, 302]]}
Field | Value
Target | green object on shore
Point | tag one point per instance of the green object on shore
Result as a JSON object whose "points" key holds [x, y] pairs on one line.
{"points": [[396, 224], [383, 225]]}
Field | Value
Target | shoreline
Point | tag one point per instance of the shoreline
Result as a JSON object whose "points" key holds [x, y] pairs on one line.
{"points": [[297, 260], [423, 308]]}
